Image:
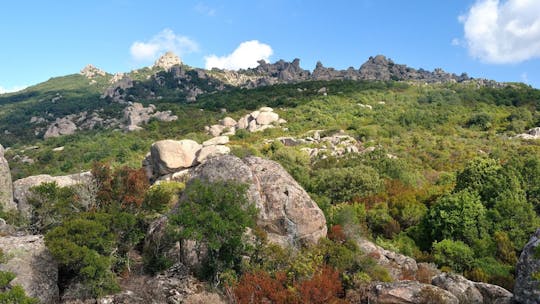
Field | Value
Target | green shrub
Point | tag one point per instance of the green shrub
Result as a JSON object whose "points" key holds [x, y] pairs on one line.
{"points": [[162, 197], [218, 215], [454, 254], [346, 184]]}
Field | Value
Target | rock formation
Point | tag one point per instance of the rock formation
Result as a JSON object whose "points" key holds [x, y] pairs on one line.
{"points": [[286, 212], [255, 121], [472, 292], [6, 188], [168, 158], [33, 265], [21, 187], [409, 292], [62, 126], [526, 290], [117, 90], [167, 61], [533, 133], [91, 71], [136, 114]]}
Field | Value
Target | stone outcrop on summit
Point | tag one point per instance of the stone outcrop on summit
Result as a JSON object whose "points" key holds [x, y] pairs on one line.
{"points": [[167, 61]]}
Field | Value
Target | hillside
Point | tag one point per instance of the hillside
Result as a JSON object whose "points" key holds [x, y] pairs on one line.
{"points": [[431, 166]]}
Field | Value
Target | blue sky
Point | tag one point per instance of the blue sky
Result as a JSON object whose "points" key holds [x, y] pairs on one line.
{"points": [[486, 38]]}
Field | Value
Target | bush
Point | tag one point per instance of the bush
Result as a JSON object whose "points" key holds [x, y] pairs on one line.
{"points": [[51, 206], [460, 216], [162, 197], [83, 250], [218, 215], [454, 254], [346, 184]]}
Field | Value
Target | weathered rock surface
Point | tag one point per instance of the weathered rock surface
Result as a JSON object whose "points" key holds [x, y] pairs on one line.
{"points": [[399, 266], [409, 292], [136, 114], [286, 212], [35, 269], [62, 126], [21, 187], [255, 121], [219, 140], [176, 285], [91, 71], [472, 292], [6, 187], [167, 61], [533, 133], [211, 151], [526, 289], [169, 156]]}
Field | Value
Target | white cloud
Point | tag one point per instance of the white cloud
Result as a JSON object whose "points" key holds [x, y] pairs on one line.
{"points": [[503, 31], [11, 90], [244, 56], [205, 10], [165, 40]]}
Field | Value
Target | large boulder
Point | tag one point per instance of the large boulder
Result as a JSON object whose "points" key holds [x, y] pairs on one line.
{"points": [[409, 292], [286, 212], [399, 266], [62, 126], [526, 290], [33, 265], [21, 187], [169, 156], [6, 187], [211, 151], [266, 118], [472, 292]]}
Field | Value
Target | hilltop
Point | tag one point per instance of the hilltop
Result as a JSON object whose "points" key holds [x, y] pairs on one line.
{"points": [[369, 183]]}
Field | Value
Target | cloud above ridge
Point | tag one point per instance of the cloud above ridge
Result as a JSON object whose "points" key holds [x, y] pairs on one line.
{"points": [[503, 32], [244, 56], [164, 41]]}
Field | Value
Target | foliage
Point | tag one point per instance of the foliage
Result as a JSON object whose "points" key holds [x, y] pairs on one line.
{"points": [[218, 215], [51, 205], [346, 184], [459, 216], [323, 287], [454, 254], [161, 197]]}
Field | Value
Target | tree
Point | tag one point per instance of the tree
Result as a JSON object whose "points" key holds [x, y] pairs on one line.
{"points": [[345, 184], [454, 254], [458, 216], [218, 215]]}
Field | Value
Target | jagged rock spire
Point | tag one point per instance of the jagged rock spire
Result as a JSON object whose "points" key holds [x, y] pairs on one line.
{"points": [[167, 60]]}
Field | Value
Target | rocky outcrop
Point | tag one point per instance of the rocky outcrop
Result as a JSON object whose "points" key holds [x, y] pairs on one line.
{"points": [[526, 290], [286, 212], [33, 265], [399, 266], [382, 68], [21, 187], [533, 133], [167, 61], [472, 292], [6, 188], [117, 91], [175, 285], [91, 71], [255, 121], [136, 114], [168, 158], [409, 292], [62, 126]]}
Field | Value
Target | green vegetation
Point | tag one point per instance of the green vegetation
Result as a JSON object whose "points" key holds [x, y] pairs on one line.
{"points": [[444, 180]]}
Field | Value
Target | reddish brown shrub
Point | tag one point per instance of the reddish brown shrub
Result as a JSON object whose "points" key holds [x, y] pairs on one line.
{"points": [[324, 287], [337, 234]]}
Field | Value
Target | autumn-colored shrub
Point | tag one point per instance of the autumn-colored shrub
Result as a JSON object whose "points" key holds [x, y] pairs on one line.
{"points": [[336, 234], [261, 287]]}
